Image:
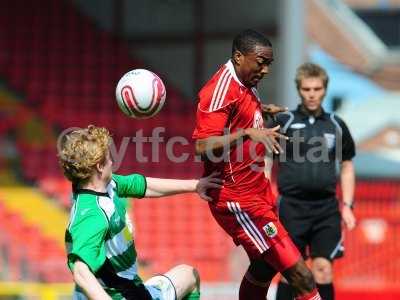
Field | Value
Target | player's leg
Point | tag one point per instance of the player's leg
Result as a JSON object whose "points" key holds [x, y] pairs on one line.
{"points": [[284, 256], [181, 282], [298, 228], [256, 281], [326, 245], [322, 270], [239, 223], [261, 232], [286, 259], [186, 281], [301, 281], [257, 228], [284, 290]]}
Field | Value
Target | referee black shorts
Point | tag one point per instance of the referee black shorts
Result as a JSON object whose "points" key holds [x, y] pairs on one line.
{"points": [[313, 225]]}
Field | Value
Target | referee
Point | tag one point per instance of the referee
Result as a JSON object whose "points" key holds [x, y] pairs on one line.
{"points": [[308, 207]]}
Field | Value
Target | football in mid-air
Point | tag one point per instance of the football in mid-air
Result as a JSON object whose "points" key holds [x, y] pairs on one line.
{"points": [[140, 94]]}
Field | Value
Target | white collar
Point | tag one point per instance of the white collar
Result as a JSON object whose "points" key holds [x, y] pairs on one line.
{"points": [[231, 69]]}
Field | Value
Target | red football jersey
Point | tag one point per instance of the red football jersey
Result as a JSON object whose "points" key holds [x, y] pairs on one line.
{"points": [[225, 106]]}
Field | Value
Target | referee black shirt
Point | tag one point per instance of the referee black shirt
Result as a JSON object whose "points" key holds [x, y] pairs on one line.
{"points": [[307, 168]]}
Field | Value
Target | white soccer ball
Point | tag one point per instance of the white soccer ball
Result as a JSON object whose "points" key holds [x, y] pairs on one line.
{"points": [[140, 94]]}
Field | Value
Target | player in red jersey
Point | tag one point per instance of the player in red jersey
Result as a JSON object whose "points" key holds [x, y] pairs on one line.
{"points": [[232, 140]]}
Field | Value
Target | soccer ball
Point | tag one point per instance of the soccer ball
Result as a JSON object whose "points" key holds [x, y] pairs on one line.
{"points": [[140, 94]]}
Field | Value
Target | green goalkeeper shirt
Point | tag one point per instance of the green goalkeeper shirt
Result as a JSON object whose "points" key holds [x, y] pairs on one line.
{"points": [[100, 233]]}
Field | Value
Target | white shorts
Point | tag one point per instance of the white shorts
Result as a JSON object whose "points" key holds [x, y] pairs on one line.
{"points": [[161, 288]]}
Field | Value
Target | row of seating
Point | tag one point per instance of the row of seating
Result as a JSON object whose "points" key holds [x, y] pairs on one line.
{"points": [[67, 69], [181, 229], [26, 254], [370, 261]]}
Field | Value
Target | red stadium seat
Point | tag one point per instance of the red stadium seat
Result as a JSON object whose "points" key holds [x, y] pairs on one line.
{"points": [[70, 82]]}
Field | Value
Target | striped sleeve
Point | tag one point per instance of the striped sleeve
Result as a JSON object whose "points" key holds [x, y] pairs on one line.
{"points": [[216, 102], [218, 96]]}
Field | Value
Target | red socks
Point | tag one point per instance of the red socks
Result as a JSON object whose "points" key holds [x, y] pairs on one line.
{"points": [[252, 289], [313, 295]]}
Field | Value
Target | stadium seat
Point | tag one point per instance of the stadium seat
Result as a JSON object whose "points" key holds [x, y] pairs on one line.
{"points": [[79, 86]]}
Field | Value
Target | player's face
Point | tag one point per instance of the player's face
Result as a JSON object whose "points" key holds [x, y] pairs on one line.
{"points": [[253, 66], [312, 92]]}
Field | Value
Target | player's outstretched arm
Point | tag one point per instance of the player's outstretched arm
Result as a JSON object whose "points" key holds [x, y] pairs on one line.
{"points": [[268, 136], [159, 187], [88, 282], [212, 143]]}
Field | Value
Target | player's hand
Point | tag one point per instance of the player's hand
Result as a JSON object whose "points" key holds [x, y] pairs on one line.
{"points": [[210, 182], [268, 136], [272, 109], [348, 217]]}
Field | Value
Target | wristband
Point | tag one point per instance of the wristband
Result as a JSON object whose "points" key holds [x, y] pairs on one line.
{"points": [[350, 205]]}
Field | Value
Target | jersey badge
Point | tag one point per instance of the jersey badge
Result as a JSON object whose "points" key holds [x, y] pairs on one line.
{"points": [[270, 230], [330, 140]]}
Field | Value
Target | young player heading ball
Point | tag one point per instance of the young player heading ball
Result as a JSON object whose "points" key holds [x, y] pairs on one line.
{"points": [[101, 251]]}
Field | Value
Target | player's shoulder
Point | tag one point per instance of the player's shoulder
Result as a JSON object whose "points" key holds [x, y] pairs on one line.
{"points": [[285, 120], [92, 203], [220, 91], [335, 117], [84, 199], [86, 208], [338, 121]]}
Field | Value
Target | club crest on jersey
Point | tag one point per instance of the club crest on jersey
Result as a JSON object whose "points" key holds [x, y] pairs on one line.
{"points": [[258, 120], [330, 140], [270, 230]]}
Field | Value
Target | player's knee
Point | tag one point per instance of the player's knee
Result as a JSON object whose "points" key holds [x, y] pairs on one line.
{"points": [[322, 270], [305, 279], [300, 278], [185, 267], [191, 273]]}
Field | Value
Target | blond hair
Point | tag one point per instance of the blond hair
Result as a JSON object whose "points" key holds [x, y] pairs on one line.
{"points": [[81, 150], [309, 70]]}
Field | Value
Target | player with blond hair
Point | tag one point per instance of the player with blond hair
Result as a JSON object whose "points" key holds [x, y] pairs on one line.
{"points": [[100, 248]]}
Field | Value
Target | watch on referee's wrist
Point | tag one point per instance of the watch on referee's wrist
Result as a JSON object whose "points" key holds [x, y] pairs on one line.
{"points": [[349, 204]]}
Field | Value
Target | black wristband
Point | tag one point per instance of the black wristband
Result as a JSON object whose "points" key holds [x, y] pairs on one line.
{"points": [[350, 205]]}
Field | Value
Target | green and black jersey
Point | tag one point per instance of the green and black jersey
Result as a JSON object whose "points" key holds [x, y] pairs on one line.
{"points": [[100, 234]]}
